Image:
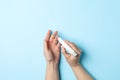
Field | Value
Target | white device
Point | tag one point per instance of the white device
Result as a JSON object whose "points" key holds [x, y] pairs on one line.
{"points": [[68, 48]]}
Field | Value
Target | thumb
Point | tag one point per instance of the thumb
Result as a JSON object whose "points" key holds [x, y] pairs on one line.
{"points": [[74, 47], [64, 52]]}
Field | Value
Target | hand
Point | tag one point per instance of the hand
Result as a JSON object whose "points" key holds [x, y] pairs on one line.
{"points": [[52, 55], [72, 60], [52, 47]]}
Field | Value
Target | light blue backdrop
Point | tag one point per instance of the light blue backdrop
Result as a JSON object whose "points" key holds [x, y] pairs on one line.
{"points": [[94, 25]]}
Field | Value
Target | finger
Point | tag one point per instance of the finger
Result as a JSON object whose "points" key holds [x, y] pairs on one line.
{"points": [[45, 45], [55, 41], [58, 45], [48, 35], [73, 46], [64, 52], [53, 35]]}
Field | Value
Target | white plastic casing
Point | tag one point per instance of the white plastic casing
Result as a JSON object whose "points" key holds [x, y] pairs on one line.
{"points": [[68, 48]]}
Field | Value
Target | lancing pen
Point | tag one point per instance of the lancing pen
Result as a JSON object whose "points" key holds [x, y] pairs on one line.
{"points": [[68, 48]]}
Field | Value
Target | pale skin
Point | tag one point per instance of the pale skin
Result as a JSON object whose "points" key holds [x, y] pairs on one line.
{"points": [[52, 54], [73, 61]]}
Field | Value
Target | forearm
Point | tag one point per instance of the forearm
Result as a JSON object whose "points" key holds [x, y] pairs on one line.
{"points": [[80, 73], [52, 72]]}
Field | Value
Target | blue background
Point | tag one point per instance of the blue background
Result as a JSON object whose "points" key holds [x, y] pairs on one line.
{"points": [[94, 25]]}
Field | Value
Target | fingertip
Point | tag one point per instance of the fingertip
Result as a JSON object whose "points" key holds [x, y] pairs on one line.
{"points": [[59, 44], [53, 35], [56, 32], [49, 30]]}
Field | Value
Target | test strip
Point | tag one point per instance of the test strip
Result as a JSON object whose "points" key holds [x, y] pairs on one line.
{"points": [[67, 47]]}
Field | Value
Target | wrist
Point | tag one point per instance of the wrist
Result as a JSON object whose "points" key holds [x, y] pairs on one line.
{"points": [[75, 66], [52, 64]]}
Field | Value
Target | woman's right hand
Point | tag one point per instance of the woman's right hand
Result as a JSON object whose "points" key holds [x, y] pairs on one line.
{"points": [[72, 60]]}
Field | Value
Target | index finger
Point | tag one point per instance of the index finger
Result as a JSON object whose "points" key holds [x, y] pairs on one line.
{"points": [[48, 35], [73, 46]]}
